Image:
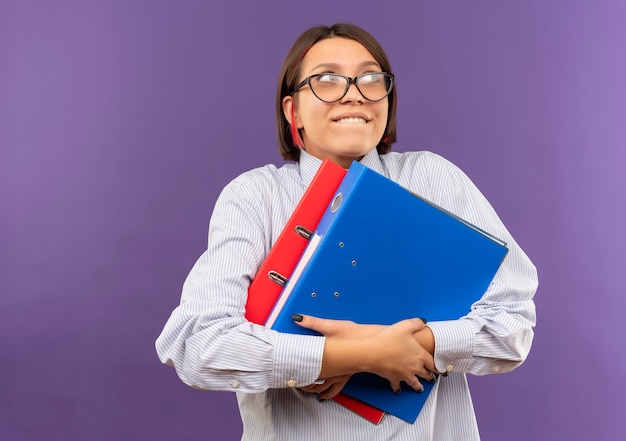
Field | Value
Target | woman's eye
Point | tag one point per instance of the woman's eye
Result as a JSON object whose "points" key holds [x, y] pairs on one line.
{"points": [[328, 78], [370, 78]]}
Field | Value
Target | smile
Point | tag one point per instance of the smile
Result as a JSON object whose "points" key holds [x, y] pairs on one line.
{"points": [[351, 121]]}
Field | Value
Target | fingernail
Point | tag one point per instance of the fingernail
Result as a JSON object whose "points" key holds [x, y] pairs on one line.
{"points": [[296, 317], [397, 391], [445, 374], [419, 391], [432, 380], [424, 320]]}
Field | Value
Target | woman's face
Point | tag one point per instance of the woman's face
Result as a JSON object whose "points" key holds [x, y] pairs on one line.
{"points": [[345, 130]]}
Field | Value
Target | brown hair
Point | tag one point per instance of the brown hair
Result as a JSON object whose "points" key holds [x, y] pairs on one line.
{"points": [[290, 72]]}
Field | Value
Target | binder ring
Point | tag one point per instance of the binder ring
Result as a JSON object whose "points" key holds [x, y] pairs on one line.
{"points": [[304, 232], [334, 206], [277, 278]]}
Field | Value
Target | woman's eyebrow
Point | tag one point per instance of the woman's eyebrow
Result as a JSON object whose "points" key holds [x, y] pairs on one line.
{"points": [[336, 66]]}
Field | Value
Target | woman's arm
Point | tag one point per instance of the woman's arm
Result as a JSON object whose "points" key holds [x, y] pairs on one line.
{"points": [[207, 339], [398, 352], [497, 334]]}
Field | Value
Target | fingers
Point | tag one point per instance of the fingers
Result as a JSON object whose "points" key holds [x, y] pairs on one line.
{"points": [[425, 373], [350, 329], [333, 390], [323, 326], [395, 386], [329, 388], [416, 324], [314, 388], [415, 384], [307, 321], [337, 328]]}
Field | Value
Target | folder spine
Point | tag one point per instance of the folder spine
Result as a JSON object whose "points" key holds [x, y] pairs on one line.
{"points": [[343, 193]]}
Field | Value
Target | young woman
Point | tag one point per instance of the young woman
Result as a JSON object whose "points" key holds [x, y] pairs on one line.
{"points": [[336, 99]]}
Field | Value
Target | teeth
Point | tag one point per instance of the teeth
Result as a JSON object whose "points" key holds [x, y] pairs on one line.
{"points": [[351, 120]]}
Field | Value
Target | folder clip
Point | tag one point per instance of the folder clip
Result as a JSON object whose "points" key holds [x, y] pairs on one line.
{"points": [[303, 232], [277, 278]]}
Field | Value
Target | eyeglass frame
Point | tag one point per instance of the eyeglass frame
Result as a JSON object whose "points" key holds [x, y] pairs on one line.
{"points": [[351, 80]]}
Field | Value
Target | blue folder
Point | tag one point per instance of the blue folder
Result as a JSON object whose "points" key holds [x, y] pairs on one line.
{"points": [[382, 254]]}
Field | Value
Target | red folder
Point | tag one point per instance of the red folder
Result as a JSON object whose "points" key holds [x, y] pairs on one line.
{"points": [[284, 255]]}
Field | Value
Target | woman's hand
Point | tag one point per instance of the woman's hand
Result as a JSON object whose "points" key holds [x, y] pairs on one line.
{"points": [[329, 388], [337, 328], [400, 357], [393, 352]]}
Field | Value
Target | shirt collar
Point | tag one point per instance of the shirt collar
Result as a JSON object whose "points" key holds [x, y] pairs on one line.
{"points": [[372, 160], [309, 164]]}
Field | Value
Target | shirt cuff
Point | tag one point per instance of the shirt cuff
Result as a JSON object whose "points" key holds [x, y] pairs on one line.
{"points": [[297, 360], [454, 345]]}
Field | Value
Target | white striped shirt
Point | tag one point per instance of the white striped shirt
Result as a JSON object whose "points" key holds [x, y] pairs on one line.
{"points": [[211, 345]]}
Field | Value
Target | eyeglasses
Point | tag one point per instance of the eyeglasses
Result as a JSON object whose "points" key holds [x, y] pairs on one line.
{"points": [[331, 87]]}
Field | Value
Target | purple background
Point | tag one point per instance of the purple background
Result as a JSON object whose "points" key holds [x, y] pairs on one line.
{"points": [[120, 122]]}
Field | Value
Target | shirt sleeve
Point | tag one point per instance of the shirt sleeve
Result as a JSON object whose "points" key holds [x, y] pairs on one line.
{"points": [[207, 339], [497, 334]]}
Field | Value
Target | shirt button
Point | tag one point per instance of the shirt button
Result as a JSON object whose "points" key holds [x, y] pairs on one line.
{"points": [[450, 368], [291, 383], [234, 383], [496, 369]]}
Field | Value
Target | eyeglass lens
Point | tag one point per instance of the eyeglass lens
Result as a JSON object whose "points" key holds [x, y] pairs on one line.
{"points": [[332, 87]]}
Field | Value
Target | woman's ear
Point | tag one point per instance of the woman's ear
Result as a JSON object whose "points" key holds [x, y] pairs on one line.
{"points": [[290, 112]]}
